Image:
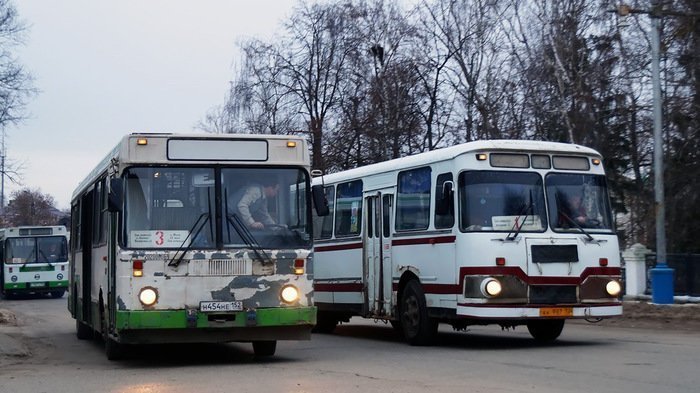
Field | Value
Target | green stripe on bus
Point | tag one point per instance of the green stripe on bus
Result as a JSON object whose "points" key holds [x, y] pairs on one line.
{"points": [[177, 319], [23, 269], [44, 284]]}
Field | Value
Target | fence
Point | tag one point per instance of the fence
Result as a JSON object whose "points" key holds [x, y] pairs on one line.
{"points": [[686, 273]]}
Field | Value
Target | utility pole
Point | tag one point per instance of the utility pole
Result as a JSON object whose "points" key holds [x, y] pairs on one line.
{"points": [[661, 275]]}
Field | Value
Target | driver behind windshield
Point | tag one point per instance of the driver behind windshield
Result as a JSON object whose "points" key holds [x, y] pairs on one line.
{"points": [[251, 203], [572, 210]]}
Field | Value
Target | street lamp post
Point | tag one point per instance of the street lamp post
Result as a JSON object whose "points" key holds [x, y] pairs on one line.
{"points": [[661, 275]]}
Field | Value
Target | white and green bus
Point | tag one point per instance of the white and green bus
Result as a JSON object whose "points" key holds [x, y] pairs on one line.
{"points": [[163, 254], [34, 259]]}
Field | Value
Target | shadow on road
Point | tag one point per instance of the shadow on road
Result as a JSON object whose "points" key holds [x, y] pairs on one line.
{"points": [[481, 339]]}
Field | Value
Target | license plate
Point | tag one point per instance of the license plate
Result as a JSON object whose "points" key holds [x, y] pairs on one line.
{"points": [[220, 306], [557, 312], [36, 284]]}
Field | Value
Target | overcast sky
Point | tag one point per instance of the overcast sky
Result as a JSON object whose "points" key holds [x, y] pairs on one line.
{"points": [[105, 69]]}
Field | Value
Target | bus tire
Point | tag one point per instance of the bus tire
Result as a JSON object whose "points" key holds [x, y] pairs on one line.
{"points": [[418, 327], [545, 330], [82, 331], [264, 348], [325, 323], [58, 294]]}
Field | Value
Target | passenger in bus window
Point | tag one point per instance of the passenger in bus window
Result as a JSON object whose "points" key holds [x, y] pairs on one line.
{"points": [[252, 205]]}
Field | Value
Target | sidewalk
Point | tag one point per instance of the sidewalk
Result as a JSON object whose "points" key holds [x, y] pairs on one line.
{"points": [[10, 346]]}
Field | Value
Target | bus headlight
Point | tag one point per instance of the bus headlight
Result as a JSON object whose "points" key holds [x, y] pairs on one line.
{"points": [[148, 296], [613, 288], [289, 294], [491, 287]]}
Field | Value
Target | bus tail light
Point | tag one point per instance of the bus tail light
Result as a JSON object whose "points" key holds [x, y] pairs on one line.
{"points": [[137, 267], [500, 261], [10, 271], [298, 266], [603, 261]]}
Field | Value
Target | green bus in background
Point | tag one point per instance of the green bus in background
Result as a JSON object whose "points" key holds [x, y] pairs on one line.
{"points": [[34, 259]]}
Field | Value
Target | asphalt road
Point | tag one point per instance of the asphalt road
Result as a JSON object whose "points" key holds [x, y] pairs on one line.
{"points": [[362, 356]]}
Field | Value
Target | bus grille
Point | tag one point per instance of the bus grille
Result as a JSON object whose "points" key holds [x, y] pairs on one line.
{"points": [[552, 294], [222, 267]]}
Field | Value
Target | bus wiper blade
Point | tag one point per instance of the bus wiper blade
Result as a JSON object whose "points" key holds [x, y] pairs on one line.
{"points": [[180, 249], [576, 224], [523, 211], [248, 238]]}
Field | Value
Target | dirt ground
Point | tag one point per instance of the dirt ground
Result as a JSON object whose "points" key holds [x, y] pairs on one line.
{"points": [[675, 317]]}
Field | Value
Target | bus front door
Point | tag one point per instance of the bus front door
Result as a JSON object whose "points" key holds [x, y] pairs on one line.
{"points": [[377, 254]]}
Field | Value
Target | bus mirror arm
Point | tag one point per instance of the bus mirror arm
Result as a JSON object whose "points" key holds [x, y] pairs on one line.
{"points": [[320, 201], [115, 198]]}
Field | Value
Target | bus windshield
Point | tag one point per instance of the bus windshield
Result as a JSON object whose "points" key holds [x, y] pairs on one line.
{"points": [[36, 249], [501, 201], [265, 207], [578, 201], [174, 207]]}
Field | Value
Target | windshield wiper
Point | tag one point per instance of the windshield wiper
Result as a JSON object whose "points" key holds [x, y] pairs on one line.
{"points": [[577, 225], [523, 211], [207, 217], [248, 238], [180, 249]]}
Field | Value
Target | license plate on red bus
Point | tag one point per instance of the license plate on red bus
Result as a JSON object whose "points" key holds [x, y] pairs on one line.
{"points": [[220, 306], [557, 312]]}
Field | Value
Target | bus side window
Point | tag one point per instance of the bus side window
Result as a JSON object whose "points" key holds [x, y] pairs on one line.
{"points": [[413, 199], [348, 210], [444, 204]]}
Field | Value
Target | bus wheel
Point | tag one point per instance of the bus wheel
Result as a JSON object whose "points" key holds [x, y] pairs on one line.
{"points": [[264, 348], [57, 294], [82, 331], [325, 323], [545, 330], [418, 328]]}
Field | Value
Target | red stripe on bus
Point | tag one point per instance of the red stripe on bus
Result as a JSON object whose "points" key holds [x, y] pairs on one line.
{"points": [[538, 280], [530, 305], [338, 247], [346, 287], [424, 240]]}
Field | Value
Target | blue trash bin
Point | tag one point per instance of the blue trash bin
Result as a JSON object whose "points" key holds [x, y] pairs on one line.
{"points": [[662, 284]]}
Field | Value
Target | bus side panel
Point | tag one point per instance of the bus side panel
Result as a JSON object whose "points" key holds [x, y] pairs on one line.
{"points": [[338, 275], [435, 266]]}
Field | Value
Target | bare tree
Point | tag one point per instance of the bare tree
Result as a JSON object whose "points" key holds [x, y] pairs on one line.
{"points": [[16, 87], [314, 61], [30, 207]]}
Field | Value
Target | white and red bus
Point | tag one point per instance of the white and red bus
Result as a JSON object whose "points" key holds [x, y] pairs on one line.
{"points": [[488, 232]]}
